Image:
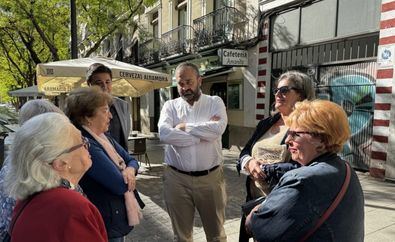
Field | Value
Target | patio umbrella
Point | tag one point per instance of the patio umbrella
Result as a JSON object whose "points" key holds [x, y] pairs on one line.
{"points": [[31, 91], [58, 77]]}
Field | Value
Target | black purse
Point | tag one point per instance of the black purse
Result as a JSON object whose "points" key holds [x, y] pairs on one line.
{"points": [[248, 206]]}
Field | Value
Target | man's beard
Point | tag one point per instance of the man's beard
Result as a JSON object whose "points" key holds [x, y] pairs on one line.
{"points": [[190, 95]]}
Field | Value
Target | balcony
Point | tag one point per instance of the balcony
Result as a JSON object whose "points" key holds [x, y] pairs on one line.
{"points": [[149, 52], [224, 25], [176, 42]]}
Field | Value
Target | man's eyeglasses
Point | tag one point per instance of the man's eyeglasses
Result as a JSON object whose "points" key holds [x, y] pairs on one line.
{"points": [[85, 144], [283, 90], [297, 134]]}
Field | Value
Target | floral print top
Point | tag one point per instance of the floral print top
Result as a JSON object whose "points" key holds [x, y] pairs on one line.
{"points": [[7, 203]]}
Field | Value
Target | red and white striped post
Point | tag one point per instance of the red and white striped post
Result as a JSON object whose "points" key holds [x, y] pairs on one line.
{"points": [[383, 124], [263, 80]]}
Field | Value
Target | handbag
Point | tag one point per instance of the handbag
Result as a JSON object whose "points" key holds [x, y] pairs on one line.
{"points": [[248, 206], [333, 206]]}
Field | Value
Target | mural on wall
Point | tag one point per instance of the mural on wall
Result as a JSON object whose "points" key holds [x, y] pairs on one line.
{"points": [[352, 87]]}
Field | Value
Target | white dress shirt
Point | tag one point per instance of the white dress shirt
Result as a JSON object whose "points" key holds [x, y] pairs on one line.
{"points": [[199, 147]]}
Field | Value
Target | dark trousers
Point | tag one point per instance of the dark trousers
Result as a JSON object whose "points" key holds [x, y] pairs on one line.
{"points": [[243, 235]]}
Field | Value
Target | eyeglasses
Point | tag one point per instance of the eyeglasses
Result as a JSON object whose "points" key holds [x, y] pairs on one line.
{"points": [[85, 143], [298, 134], [283, 90]]}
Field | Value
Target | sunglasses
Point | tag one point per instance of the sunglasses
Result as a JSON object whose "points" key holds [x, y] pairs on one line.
{"points": [[85, 143], [283, 90]]}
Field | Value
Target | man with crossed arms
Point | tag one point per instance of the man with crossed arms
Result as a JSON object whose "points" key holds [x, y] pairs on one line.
{"points": [[192, 126]]}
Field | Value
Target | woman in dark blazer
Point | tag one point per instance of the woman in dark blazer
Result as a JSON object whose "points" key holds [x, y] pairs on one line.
{"points": [[110, 182], [265, 157]]}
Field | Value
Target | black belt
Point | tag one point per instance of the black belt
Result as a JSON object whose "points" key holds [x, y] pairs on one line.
{"points": [[195, 173]]}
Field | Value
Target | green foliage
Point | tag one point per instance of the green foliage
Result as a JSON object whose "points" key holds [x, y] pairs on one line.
{"points": [[36, 31], [31, 32]]}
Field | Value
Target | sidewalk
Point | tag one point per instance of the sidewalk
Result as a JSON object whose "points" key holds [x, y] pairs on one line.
{"points": [[156, 226]]}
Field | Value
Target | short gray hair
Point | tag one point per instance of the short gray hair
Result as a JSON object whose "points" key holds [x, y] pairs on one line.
{"points": [[190, 65], [301, 82], [36, 107], [37, 143]]}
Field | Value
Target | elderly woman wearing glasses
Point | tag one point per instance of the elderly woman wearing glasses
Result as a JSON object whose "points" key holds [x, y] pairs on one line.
{"points": [[322, 200], [7, 203], [110, 182], [48, 158], [267, 146]]}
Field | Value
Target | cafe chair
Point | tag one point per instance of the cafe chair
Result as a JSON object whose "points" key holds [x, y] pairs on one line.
{"points": [[138, 149]]}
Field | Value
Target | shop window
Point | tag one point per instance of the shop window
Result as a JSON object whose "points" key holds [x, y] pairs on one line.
{"points": [[235, 96], [318, 22], [285, 30], [358, 16]]}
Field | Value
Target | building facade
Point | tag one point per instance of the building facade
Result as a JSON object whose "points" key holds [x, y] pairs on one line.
{"points": [[347, 47], [220, 37]]}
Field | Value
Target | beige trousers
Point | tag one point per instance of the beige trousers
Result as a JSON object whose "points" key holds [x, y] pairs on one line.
{"points": [[184, 193]]}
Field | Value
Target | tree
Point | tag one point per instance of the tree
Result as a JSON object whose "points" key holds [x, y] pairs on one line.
{"points": [[36, 31]]}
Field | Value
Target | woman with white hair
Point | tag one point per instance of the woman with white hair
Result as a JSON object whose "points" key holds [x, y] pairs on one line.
{"points": [[7, 203], [48, 158]]}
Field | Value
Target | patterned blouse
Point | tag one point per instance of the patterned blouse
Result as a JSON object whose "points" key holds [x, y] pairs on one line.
{"points": [[7, 203]]}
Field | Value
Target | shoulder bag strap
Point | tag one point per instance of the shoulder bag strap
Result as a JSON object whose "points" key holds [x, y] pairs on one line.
{"points": [[333, 206]]}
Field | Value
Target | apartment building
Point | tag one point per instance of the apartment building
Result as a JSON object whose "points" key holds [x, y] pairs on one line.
{"points": [[218, 36]]}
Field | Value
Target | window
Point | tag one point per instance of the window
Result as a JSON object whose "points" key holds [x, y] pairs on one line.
{"points": [[323, 20], [318, 22], [234, 96], [285, 30], [155, 25], [358, 16], [182, 13], [218, 4], [182, 20]]}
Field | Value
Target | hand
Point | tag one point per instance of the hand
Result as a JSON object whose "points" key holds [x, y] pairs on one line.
{"points": [[248, 219], [253, 166], [129, 177], [215, 118], [181, 126]]}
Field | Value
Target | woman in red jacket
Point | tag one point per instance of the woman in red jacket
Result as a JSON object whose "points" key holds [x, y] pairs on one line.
{"points": [[48, 158]]}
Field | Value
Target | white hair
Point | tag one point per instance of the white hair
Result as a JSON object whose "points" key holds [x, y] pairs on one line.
{"points": [[36, 107], [38, 142]]}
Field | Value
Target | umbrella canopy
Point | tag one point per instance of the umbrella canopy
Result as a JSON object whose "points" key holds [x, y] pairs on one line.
{"points": [[31, 91], [58, 77]]}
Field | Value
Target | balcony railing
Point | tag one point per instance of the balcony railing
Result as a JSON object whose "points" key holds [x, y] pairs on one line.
{"points": [[176, 41], [224, 25], [149, 52]]}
